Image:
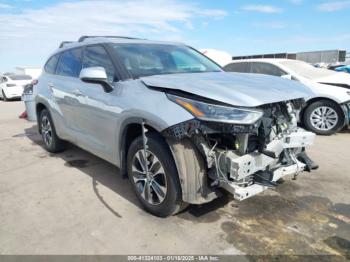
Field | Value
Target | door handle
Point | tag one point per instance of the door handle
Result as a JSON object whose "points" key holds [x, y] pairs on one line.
{"points": [[77, 92]]}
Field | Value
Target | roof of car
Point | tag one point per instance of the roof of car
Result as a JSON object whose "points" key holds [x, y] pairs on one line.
{"points": [[267, 60], [101, 40]]}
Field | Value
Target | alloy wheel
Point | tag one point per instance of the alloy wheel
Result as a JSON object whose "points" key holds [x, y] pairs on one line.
{"points": [[149, 177], [324, 118], [46, 130]]}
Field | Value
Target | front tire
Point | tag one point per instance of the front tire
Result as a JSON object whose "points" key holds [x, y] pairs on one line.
{"points": [[323, 117], [159, 192], [52, 142]]}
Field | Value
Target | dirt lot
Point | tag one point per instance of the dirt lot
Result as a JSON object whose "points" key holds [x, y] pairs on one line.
{"points": [[76, 203]]}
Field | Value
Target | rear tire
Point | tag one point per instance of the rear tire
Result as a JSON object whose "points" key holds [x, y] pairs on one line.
{"points": [[323, 117], [52, 142], [161, 193]]}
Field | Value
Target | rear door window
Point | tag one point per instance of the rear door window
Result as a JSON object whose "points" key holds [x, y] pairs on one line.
{"points": [[266, 69], [50, 66], [238, 67], [97, 56], [70, 63]]}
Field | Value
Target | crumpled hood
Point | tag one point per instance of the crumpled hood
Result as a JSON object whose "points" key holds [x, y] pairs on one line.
{"points": [[247, 90]]}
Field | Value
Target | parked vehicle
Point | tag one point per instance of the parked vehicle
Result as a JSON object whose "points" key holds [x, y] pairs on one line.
{"points": [[327, 110], [218, 56], [334, 66], [11, 86], [344, 68], [180, 127], [321, 65]]}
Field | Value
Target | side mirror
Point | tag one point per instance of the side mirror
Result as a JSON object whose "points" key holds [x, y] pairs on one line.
{"points": [[289, 77], [96, 75]]}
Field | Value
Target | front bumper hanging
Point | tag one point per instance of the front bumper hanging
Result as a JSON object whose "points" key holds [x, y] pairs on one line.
{"points": [[264, 169]]}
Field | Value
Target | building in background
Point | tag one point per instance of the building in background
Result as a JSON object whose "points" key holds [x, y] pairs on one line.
{"points": [[327, 56], [33, 71], [313, 57], [274, 55], [347, 58]]}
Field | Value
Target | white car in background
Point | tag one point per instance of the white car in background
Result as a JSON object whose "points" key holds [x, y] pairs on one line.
{"points": [[218, 56], [328, 110], [11, 86]]}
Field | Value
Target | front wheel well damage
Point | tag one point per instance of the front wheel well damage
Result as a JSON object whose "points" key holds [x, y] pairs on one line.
{"points": [[190, 165], [192, 171]]}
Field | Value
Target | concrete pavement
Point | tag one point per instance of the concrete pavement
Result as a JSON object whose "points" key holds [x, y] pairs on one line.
{"points": [[76, 203]]}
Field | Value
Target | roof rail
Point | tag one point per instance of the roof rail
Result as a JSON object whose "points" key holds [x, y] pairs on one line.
{"points": [[64, 43], [82, 38]]}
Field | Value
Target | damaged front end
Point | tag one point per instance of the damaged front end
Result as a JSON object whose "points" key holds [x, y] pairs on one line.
{"points": [[244, 151]]}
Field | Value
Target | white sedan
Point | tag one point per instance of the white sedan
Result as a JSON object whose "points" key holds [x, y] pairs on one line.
{"points": [[328, 110], [11, 86]]}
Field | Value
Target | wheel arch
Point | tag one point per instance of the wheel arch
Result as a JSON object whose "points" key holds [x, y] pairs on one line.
{"points": [[130, 131]]}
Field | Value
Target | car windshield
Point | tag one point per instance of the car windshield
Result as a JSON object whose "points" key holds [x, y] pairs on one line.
{"points": [[156, 59], [306, 70], [20, 77]]}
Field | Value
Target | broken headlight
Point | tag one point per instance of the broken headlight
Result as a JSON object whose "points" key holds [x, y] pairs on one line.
{"points": [[217, 113]]}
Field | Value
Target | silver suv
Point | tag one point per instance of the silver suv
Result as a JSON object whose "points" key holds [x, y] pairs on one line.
{"points": [[171, 119]]}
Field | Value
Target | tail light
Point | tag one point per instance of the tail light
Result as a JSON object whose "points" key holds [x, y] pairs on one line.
{"points": [[28, 89]]}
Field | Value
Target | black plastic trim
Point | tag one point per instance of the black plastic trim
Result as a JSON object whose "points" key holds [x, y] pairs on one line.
{"points": [[336, 84]]}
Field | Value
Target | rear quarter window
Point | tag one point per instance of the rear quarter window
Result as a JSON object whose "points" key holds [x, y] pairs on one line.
{"points": [[238, 67], [50, 66], [267, 69]]}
